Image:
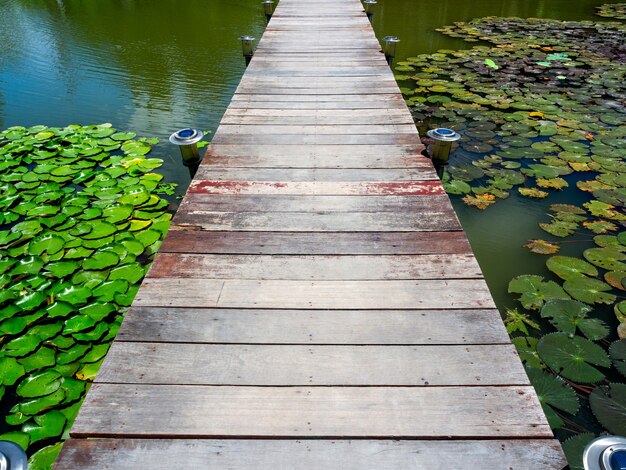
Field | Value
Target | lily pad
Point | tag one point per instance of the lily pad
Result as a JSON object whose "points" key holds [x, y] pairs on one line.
{"points": [[573, 358], [617, 351], [39, 384], [567, 267], [607, 258], [535, 291], [609, 406], [542, 247], [590, 291], [553, 393], [48, 425], [569, 315]]}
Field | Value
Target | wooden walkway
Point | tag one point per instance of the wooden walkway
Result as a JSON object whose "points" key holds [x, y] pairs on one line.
{"points": [[316, 304]]}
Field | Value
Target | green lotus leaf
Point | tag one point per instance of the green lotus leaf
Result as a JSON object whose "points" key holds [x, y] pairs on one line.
{"points": [[99, 229], [466, 172], [30, 300], [21, 346], [533, 193], [45, 330], [527, 350], [590, 291], [78, 323], [135, 196], [13, 326], [573, 358], [106, 291], [39, 384], [608, 258], [134, 147], [90, 213], [542, 247], [75, 295], [27, 265], [10, 371], [616, 279], [553, 392], [89, 371], [60, 309], [609, 406], [40, 359], [574, 447], [20, 438], [569, 315], [97, 353], [28, 228], [72, 354], [120, 136], [62, 269], [47, 425], [118, 213], [77, 253], [37, 405], [94, 334], [567, 267], [98, 310], [126, 299], [535, 291], [617, 351], [45, 457], [148, 237], [131, 273], [101, 260], [455, 186]]}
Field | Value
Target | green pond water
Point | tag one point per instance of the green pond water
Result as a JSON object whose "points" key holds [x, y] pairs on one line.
{"points": [[158, 66]]}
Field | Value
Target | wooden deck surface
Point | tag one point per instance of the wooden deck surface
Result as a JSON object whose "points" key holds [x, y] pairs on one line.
{"points": [[315, 304]]}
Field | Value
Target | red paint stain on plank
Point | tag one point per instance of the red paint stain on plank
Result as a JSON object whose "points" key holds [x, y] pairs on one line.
{"points": [[367, 188]]}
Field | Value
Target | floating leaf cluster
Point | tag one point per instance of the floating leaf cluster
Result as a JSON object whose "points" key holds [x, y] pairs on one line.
{"points": [[613, 10], [540, 111], [80, 220]]}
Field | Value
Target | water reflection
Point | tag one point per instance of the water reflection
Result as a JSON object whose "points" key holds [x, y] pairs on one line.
{"points": [[148, 66]]}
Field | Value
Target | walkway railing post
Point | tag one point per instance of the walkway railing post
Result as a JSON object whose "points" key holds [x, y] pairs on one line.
{"points": [[443, 140], [247, 47]]}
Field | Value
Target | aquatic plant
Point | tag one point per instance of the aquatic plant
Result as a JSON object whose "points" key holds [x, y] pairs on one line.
{"points": [[541, 111], [80, 220], [612, 10]]}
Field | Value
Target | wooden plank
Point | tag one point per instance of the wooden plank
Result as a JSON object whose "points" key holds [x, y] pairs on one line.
{"points": [[315, 161], [286, 365], [315, 267], [315, 139], [182, 239], [279, 203], [351, 98], [371, 129], [390, 295], [434, 220], [328, 188], [246, 412], [296, 152], [156, 454], [206, 172], [250, 326]]}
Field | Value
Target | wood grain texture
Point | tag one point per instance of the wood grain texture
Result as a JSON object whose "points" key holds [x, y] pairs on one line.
{"points": [[283, 365], [186, 239], [356, 327], [155, 454], [238, 293], [316, 267], [185, 411]]}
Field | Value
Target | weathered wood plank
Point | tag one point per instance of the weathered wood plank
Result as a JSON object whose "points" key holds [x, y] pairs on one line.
{"points": [[307, 175], [249, 326], [315, 139], [327, 188], [390, 295], [339, 152], [370, 129], [315, 267], [155, 454], [182, 239], [270, 203], [377, 412], [318, 221], [265, 365], [295, 160]]}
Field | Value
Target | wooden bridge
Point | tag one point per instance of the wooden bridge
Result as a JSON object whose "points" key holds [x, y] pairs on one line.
{"points": [[316, 304]]}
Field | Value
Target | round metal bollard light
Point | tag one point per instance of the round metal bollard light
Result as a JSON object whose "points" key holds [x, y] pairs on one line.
{"points": [[444, 138], [187, 140], [12, 456], [268, 8], [247, 47], [605, 453], [389, 48], [368, 6]]}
